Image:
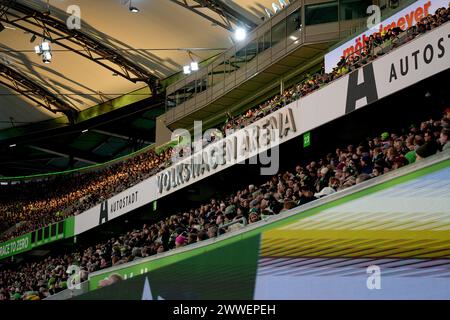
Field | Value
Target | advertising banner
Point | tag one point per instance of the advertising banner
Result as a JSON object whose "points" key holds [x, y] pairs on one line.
{"points": [[15, 246], [51, 233], [137, 196], [403, 19], [419, 59]]}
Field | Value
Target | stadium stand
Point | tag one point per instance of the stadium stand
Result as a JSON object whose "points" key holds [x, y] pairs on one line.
{"points": [[67, 198], [346, 167], [36, 203], [375, 46]]}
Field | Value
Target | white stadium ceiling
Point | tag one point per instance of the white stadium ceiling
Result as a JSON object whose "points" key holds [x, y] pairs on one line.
{"points": [[160, 24]]}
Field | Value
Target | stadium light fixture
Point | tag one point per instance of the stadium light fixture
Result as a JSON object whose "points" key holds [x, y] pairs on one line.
{"points": [[44, 50], [85, 130], [194, 66], [186, 69], [47, 57], [133, 8], [45, 46], [240, 34], [12, 145]]}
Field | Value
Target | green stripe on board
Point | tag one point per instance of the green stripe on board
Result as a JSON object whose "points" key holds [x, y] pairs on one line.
{"points": [[69, 227]]}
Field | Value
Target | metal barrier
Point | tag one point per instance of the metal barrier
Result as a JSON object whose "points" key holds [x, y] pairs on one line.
{"points": [[242, 221], [70, 293]]}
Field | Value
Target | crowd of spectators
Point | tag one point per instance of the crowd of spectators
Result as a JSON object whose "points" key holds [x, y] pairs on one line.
{"points": [[38, 203], [333, 172], [375, 45]]}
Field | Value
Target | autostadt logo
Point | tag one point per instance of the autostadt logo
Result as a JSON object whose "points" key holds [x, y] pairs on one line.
{"points": [[103, 212], [117, 206]]}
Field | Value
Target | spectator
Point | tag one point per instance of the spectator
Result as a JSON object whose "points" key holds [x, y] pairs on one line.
{"points": [[443, 139], [180, 241]]}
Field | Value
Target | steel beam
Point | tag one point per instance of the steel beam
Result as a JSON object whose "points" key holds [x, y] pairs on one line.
{"points": [[35, 92], [229, 15], [43, 24], [116, 135], [65, 154]]}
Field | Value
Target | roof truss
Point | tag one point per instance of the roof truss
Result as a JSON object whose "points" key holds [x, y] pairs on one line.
{"points": [[34, 92], [229, 16], [43, 24]]}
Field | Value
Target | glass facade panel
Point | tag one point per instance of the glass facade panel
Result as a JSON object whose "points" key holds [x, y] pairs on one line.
{"points": [[46, 232], [251, 50], [53, 230], [190, 90], [294, 22], [234, 60], [267, 40], [210, 79], [321, 13], [353, 9], [278, 32], [261, 44], [240, 57], [201, 85], [61, 227]]}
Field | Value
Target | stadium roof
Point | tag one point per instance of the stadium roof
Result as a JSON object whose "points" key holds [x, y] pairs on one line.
{"points": [[157, 41]]}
